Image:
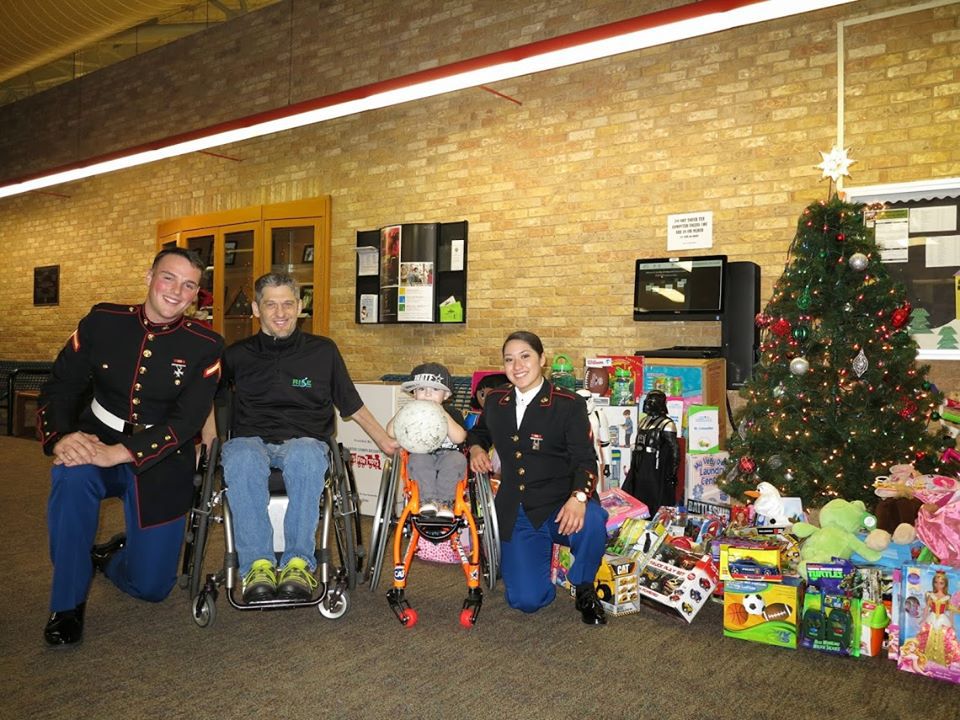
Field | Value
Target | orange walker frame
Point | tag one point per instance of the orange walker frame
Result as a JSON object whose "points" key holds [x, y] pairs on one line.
{"points": [[435, 530]]}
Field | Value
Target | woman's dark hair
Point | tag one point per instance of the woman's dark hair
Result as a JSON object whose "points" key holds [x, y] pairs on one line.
{"points": [[487, 382], [524, 336]]}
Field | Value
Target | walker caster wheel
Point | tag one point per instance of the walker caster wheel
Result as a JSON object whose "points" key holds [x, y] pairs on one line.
{"points": [[467, 618], [409, 617]]}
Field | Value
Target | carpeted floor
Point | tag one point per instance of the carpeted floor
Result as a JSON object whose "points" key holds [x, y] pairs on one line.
{"points": [[152, 661]]}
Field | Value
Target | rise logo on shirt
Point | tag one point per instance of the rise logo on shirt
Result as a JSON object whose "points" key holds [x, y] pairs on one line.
{"points": [[301, 383]]}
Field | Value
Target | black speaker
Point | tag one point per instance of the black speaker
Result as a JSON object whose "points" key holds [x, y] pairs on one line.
{"points": [[739, 331]]}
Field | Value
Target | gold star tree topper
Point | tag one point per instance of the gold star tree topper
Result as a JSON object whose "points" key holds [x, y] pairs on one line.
{"points": [[835, 163]]}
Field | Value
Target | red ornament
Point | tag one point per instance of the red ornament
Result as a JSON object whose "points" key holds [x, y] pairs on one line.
{"points": [[920, 455], [908, 410], [901, 316], [841, 237], [762, 320], [780, 327], [747, 465]]}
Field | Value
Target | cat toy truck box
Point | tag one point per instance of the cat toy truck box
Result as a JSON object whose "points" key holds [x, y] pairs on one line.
{"points": [[763, 612], [616, 580]]}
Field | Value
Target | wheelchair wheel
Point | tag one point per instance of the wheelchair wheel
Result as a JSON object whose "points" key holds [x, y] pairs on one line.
{"points": [[198, 523], [204, 610], [351, 489], [344, 519], [485, 513], [383, 520], [334, 606]]}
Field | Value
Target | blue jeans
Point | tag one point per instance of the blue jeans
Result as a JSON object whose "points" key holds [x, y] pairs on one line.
{"points": [[246, 466]]}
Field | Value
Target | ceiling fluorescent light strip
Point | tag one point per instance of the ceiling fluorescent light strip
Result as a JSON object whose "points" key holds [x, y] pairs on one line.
{"points": [[680, 23]]}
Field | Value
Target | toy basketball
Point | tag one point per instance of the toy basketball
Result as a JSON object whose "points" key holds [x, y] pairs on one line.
{"points": [[420, 426], [737, 614]]}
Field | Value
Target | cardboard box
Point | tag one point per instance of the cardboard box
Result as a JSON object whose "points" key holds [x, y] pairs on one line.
{"points": [[615, 582], [637, 539], [600, 378], [677, 582], [700, 481], [620, 505], [830, 620], [929, 625], [383, 400], [689, 381], [703, 429], [750, 560], [763, 612]]}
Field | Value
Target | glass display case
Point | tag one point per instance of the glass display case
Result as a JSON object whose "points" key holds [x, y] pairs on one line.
{"points": [[238, 246]]}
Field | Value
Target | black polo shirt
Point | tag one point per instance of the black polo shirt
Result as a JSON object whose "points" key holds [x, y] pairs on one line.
{"points": [[288, 388]]}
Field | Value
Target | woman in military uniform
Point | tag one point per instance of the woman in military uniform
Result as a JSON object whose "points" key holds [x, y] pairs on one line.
{"points": [[549, 475]]}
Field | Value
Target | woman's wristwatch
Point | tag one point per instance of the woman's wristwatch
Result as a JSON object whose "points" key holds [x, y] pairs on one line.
{"points": [[579, 496]]}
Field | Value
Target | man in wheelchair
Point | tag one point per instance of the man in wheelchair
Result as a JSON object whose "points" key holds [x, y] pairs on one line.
{"points": [[286, 384]]}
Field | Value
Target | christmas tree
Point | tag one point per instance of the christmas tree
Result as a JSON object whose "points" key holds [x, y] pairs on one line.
{"points": [[836, 397]]}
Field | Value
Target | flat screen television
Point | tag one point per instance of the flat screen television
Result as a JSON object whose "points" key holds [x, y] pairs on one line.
{"points": [[689, 288]]}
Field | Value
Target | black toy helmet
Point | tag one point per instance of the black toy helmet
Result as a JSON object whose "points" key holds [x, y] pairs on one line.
{"points": [[655, 403]]}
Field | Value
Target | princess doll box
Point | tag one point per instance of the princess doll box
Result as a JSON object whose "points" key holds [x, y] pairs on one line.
{"points": [[930, 621]]}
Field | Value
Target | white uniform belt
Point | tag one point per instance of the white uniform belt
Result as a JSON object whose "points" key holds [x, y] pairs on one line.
{"points": [[115, 422]]}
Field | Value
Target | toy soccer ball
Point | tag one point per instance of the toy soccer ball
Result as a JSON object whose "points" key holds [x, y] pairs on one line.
{"points": [[420, 426], [754, 604]]}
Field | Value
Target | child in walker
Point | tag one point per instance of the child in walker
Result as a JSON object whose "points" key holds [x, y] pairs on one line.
{"points": [[436, 473]]}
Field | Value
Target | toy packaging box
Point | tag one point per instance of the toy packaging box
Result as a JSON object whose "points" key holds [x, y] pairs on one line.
{"points": [[687, 382], [750, 560], [637, 539], [620, 423], [616, 580], [876, 585], [703, 429], [700, 481], [930, 621], [763, 612], [831, 612], [614, 379], [677, 582], [620, 505]]}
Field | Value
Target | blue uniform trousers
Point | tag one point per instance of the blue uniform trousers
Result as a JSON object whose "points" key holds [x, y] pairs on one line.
{"points": [[525, 558], [145, 568]]}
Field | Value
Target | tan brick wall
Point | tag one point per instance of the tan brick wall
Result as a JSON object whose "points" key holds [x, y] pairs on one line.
{"points": [[562, 192]]}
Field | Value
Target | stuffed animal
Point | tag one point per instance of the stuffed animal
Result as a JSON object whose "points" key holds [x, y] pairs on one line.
{"points": [[837, 535]]}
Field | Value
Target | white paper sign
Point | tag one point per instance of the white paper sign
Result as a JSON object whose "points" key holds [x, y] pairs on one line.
{"points": [[690, 231]]}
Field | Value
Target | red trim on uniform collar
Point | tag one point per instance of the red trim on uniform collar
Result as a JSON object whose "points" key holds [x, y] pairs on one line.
{"points": [[157, 327]]}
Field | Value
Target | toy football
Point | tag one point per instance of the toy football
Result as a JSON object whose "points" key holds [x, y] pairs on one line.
{"points": [[420, 426]]}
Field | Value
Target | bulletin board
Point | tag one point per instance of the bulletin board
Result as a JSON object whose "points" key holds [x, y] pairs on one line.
{"points": [[918, 233], [412, 273]]}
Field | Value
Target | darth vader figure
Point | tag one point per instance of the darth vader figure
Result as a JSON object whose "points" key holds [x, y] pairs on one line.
{"points": [[656, 456]]}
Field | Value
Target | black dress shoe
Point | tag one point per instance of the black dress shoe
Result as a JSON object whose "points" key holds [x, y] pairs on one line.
{"points": [[591, 611], [65, 627], [100, 554]]}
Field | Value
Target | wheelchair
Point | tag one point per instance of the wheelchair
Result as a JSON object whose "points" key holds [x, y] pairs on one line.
{"points": [[474, 512], [339, 551]]}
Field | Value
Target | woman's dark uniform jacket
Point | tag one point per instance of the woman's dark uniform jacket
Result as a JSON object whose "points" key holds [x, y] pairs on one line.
{"points": [[543, 462], [146, 374]]}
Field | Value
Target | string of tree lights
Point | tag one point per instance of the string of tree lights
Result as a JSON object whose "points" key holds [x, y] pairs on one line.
{"points": [[836, 398]]}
